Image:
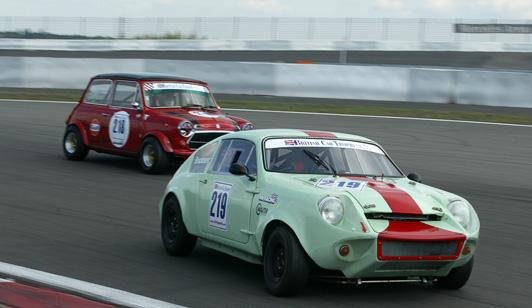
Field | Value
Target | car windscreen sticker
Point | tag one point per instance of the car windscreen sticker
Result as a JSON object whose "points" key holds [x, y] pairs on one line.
{"points": [[174, 86], [341, 183], [119, 128], [219, 205], [321, 143]]}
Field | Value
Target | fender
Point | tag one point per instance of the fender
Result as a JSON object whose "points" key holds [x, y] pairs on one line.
{"points": [[163, 140], [82, 130]]}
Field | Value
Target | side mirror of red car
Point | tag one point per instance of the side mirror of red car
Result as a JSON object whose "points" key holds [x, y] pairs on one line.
{"points": [[136, 105]]}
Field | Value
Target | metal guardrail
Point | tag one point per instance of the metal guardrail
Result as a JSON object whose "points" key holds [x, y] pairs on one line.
{"points": [[274, 28]]}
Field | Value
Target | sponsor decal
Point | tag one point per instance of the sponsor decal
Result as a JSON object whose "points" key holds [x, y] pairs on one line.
{"points": [[94, 127], [174, 86], [261, 210], [119, 129], [271, 199], [203, 114], [219, 205], [341, 183], [321, 143]]}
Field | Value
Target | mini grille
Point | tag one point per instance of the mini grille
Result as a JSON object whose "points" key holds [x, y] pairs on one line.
{"points": [[200, 138]]}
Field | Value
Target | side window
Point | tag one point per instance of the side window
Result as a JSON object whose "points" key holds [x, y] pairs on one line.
{"points": [[98, 92], [125, 94], [202, 158], [235, 150]]}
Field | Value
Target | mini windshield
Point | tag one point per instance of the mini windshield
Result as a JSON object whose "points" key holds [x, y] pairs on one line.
{"points": [[169, 94], [290, 155]]}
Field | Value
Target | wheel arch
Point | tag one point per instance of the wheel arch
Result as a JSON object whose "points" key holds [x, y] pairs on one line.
{"points": [[81, 130], [163, 140], [185, 211]]}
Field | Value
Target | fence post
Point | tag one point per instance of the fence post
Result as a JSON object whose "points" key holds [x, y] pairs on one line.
{"points": [[310, 29], [493, 37], [197, 27], [273, 28], [121, 27], [348, 28], [236, 28], [421, 30], [385, 24]]}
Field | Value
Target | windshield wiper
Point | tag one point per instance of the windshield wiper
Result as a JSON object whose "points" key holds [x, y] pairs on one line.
{"points": [[320, 162]]}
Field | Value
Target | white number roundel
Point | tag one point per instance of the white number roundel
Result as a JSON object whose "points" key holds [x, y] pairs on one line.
{"points": [[119, 128]]}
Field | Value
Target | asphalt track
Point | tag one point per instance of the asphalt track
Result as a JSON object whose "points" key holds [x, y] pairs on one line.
{"points": [[97, 220]]}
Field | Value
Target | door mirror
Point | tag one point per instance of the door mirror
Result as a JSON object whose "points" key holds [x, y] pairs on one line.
{"points": [[136, 105], [240, 169], [414, 177]]}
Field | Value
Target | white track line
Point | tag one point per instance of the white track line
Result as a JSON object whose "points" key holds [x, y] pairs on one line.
{"points": [[90, 290], [316, 113]]}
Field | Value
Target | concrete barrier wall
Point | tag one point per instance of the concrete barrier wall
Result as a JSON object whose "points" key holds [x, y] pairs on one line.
{"points": [[394, 83]]}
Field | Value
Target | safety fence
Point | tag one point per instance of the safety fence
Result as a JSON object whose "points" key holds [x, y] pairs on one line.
{"points": [[276, 28]]}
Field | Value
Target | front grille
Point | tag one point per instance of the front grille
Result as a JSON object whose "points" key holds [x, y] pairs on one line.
{"points": [[406, 250], [412, 266], [404, 217], [200, 138]]}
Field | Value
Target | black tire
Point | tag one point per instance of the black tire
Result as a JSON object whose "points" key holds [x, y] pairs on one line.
{"points": [[152, 158], [176, 239], [286, 268], [457, 278], [73, 145]]}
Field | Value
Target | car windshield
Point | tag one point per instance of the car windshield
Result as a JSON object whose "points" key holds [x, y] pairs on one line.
{"points": [[169, 94], [327, 156]]}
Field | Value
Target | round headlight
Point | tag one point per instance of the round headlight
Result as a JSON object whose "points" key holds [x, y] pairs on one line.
{"points": [[185, 128], [461, 213], [332, 210], [247, 126]]}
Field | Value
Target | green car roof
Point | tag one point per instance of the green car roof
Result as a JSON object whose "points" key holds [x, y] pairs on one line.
{"points": [[260, 134]]}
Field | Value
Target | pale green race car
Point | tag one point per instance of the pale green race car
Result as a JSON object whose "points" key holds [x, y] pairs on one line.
{"points": [[317, 203]]}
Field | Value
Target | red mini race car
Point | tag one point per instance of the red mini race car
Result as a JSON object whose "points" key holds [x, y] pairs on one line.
{"points": [[153, 117]]}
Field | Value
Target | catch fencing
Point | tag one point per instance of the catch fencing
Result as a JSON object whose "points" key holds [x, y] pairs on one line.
{"points": [[274, 28]]}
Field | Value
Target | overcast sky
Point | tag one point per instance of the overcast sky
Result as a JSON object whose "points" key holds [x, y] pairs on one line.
{"points": [[502, 9]]}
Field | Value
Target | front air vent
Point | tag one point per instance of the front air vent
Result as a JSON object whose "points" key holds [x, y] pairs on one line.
{"points": [[403, 217]]}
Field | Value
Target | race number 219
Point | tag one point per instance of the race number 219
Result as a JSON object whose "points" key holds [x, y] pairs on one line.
{"points": [[219, 204]]}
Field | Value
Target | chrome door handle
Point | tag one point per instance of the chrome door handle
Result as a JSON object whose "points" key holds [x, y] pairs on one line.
{"points": [[105, 114], [203, 181]]}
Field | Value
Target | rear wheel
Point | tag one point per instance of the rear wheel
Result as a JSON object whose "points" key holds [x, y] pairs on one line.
{"points": [[176, 239], [286, 268], [457, 278], [73, 145], [152, 158]]}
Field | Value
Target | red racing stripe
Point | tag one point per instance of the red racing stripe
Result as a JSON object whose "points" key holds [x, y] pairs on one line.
{"points": [[398, 200], [319, 134]]}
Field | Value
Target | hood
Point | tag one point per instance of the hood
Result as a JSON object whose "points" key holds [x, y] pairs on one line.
{"points": [[203, 119], [386, 195]]}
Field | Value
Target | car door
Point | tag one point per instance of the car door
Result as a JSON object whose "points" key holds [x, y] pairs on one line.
{"points": [[93, 109], [224, 199], [124, 123]]}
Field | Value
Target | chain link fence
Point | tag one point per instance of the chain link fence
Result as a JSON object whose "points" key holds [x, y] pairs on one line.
{"points": [[274, 28]]}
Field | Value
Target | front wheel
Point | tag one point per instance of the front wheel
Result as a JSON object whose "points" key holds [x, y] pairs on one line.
{"points": [[286, 268], [73, 145], [152, 158], [457, 278], [176, 239]]}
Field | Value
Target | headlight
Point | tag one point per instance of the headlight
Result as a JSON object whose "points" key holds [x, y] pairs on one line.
{"points": [[185, 128], [247, 126], [460, 211], [331, 209]]}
